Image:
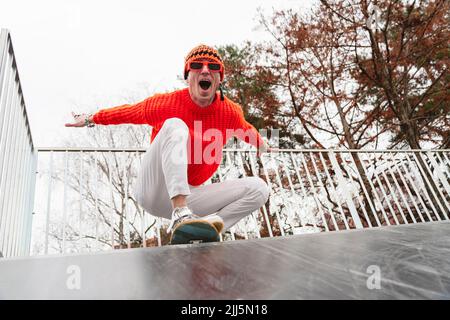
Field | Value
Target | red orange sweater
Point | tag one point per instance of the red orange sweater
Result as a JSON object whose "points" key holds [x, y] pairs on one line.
{"points": [[220, 115]]}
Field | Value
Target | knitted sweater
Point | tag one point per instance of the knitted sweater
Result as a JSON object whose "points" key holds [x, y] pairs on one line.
{"points": [[222, 116]]}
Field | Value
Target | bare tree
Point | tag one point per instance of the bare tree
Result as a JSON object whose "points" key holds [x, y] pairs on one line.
{"points": [[101, 210]]}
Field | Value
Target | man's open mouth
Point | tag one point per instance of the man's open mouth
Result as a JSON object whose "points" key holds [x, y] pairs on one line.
{"points": [[205, 84]]}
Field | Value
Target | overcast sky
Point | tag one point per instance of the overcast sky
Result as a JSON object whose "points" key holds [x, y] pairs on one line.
{"points": [[80, 52]]}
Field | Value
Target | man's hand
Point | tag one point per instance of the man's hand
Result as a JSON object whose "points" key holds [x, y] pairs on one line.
{"points": [[80, 120]]}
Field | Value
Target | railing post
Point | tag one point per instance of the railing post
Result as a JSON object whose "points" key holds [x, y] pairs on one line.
{"points": [[96, 197], [30, 204], [346, 192], [442, 179], [280, 222], [112, 216], [49, 202], [333, 191], [254, 214], [302, 187], [422, 177], [66, 163], [316, 198], [80, 199], [219, 172]]}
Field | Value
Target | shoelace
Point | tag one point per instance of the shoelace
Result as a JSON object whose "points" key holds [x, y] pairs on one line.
{"points": [[179, 215]]}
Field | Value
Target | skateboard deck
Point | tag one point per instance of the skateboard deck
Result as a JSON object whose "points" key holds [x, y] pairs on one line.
{"points": [[194, 231]]}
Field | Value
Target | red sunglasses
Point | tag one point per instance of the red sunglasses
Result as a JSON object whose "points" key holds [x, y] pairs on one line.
{"points": [[198, 65]]}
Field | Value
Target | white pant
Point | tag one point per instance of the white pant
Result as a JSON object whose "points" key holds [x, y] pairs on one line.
{"points": [[161, 178]]}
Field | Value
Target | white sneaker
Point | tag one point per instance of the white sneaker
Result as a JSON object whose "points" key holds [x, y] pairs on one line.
{"points": [[184, 213], [215, 220], [179, 215]]}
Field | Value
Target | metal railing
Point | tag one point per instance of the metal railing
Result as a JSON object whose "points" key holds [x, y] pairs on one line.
{"points": [[17, 158], [87, 200]]}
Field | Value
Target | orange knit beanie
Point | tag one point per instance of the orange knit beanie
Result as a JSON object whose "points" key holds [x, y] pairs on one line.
{"points": [[203, 51]]}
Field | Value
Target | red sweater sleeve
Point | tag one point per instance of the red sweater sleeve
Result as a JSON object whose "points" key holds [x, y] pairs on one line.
{"points": [[245, 131], [144, 112]]}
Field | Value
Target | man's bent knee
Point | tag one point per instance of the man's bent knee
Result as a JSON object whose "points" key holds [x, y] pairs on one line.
{"points": [[175, 124], [259, 186]]}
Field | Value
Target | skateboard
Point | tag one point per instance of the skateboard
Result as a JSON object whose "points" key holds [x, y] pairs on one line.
{"points": [[194, 231]]}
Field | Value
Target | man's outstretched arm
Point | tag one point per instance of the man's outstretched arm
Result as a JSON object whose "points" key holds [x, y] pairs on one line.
{"points": [[144, 112]]}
